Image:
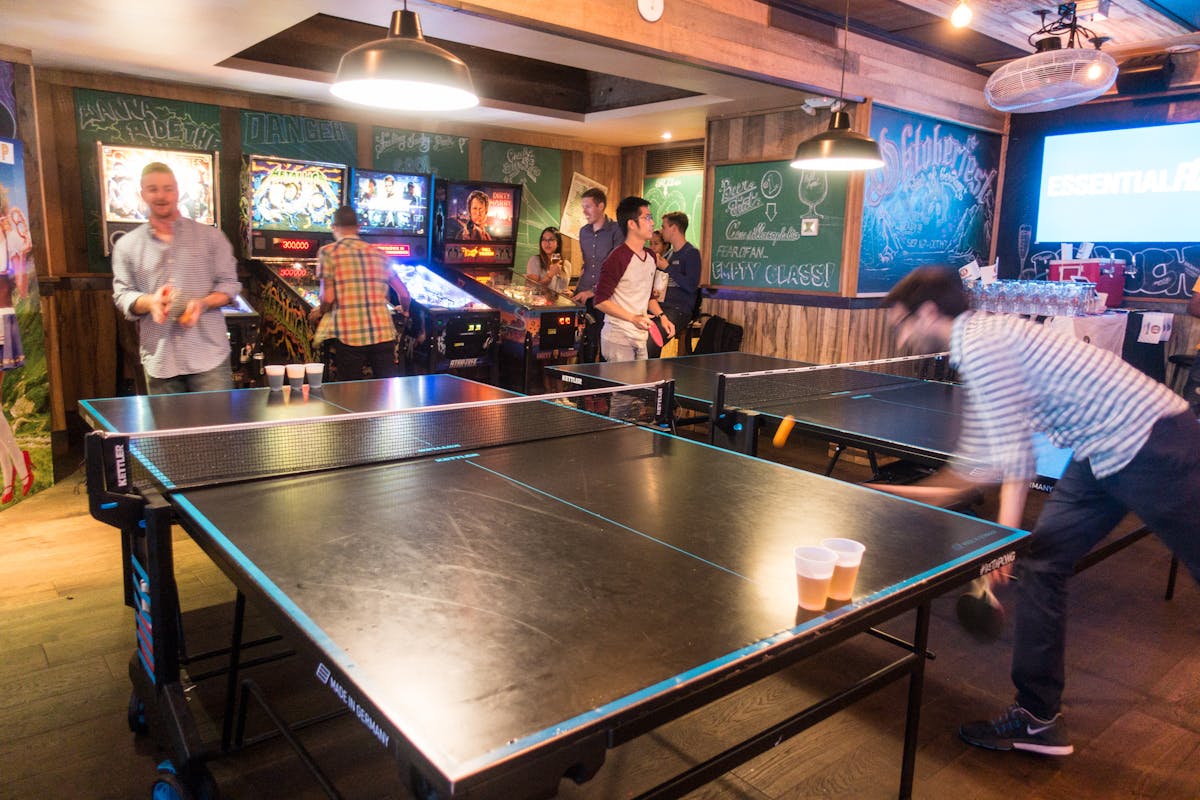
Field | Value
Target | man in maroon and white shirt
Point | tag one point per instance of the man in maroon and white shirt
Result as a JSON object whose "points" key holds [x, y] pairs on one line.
{"points": [[624, 290]]}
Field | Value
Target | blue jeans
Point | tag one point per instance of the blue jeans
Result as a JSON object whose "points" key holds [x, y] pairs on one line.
{"points": [[216, 379], [1161, 485]]}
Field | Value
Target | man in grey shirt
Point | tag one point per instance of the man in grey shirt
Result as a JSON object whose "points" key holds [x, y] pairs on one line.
{"points": [[599, 237], [171, 276]]}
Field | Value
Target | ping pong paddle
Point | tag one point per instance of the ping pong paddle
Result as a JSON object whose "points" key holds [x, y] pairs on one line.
{"points": [[980, 613], [655, 333]]}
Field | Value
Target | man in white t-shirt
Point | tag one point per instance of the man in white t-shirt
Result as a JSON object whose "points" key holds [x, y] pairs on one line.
{"points": [[623, 293]]}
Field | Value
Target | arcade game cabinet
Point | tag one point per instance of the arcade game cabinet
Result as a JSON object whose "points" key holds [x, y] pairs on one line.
{"points": [[287, 211], [446, 329]]}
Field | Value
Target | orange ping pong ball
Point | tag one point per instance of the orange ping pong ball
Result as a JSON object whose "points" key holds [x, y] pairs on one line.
{"points": [[784, 430]]}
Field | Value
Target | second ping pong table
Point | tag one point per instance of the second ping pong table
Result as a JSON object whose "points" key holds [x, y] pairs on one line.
{"points": [[910, 418], [500, 610]]}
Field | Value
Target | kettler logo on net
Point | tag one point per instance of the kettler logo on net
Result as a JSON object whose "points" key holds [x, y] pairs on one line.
{"points": [[119, 465], [326, 677]]}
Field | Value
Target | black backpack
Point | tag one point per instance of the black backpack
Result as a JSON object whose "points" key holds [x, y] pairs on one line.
{"points": [[718, 335]]}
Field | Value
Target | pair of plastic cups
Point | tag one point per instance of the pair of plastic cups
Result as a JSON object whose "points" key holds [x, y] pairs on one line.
{"points": [[827, 572], [295, 374]]}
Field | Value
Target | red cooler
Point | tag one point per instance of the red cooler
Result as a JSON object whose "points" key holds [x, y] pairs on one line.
{"points": [[1107, 273]]}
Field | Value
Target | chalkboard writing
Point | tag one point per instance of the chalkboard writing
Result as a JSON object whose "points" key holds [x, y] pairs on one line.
{"points": [[416, 151], [932, 203], [306, 138], [777, 228]]}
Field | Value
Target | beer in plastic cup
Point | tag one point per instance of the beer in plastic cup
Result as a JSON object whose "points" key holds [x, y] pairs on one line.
{"points": [[845, 571], [814, 568], [314, 372], [274, 376], [295, 375]]}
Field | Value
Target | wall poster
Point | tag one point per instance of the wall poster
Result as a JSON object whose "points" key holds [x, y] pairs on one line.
{"points": [[26, 461]]}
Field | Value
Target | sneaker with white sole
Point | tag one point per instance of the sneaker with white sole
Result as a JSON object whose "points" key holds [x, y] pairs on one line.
{"points": [[1017, 729]]}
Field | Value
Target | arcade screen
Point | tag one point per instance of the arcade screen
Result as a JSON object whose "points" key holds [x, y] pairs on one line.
{"points": [[393, 203], [121, 182], [479, 212], [293, 196]]}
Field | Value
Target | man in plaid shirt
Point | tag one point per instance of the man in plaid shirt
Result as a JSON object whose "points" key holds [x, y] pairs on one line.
{"points": [[353, 319]]}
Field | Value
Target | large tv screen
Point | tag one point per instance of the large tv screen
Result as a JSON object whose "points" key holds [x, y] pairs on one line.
{"points": [[121, 182], [290, 195], [1131, 185], [395, 203], [481, 212]]}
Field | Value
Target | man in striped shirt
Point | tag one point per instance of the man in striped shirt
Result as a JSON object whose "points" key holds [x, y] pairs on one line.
{"points": [[353, 316], [171, 276], [1136, 448]]}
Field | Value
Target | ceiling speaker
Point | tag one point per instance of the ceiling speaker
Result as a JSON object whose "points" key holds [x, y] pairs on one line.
{"points": [[1143, 74]]}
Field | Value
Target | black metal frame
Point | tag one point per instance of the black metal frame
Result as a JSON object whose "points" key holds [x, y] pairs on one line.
{"points": [[577, 754]]}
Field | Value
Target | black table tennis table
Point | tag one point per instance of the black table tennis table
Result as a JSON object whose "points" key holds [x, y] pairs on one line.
{"points": [[911, 418], [499, 616]]}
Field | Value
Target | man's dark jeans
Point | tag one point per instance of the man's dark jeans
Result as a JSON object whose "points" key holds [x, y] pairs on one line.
{"points": [[1161, 485]]}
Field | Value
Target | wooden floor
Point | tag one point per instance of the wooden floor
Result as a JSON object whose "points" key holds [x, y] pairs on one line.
{"points": [[1133, 693]]}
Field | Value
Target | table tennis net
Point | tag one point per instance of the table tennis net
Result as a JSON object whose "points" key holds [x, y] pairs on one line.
{"points": [[751, 390], [193, 457]]}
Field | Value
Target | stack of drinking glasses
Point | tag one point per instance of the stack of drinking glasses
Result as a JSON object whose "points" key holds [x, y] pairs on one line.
{"points": [[1035, 298]]}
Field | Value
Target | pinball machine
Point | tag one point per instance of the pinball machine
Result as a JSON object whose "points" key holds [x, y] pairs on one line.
{"points": [[287, 214], [475, 226], [446, 329]]}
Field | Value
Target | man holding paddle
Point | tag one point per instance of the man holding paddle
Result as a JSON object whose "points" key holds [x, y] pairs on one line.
{"points": [[1136, 448], [623, 293]]}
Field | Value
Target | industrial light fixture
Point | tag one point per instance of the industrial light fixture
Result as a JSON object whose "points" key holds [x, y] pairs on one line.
{"points": [[404, 72], [961, 16], [839, 149], [1054, 77]]}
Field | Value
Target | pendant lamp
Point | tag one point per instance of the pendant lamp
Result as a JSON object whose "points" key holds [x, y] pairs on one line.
{"points": [[839, 149], [405, 72]]}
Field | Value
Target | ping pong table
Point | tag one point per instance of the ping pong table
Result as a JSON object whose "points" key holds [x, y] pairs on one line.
{"points": [[502, 588], [911, 418]]}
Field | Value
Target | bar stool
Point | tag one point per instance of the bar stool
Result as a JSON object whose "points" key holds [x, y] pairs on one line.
{"points": [[1181, 363]]}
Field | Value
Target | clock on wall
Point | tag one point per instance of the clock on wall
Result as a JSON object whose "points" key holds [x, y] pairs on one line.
{"points": [[651, 10]]}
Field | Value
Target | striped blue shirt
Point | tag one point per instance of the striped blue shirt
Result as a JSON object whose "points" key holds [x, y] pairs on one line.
{"points": [[1022, 377], [199, 260]]}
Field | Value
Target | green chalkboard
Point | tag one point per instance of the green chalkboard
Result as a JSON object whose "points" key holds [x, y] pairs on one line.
{"points": [[678, 191], [777, 228], [440, 154]]}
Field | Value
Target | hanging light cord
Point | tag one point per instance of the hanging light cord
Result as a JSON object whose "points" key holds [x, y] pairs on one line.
{"points": [[845, 50]]}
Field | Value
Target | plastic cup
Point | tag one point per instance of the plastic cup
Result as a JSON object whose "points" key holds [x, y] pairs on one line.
{"points": [[274, 376], [314, 372], [845, 571], [295, 375], [814, 569]]}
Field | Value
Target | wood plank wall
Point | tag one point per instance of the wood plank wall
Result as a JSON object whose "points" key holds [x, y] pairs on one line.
{"points": [[81, 311]]}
